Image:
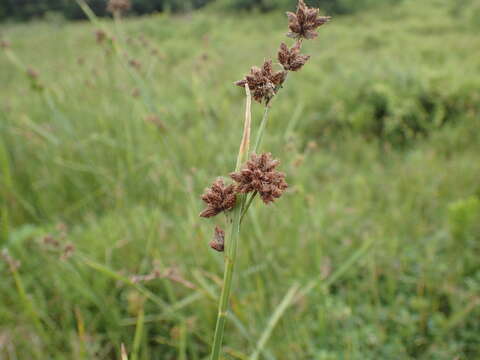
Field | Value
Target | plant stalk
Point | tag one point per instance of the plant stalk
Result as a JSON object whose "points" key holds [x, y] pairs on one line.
{"points": [[227, 281], [232, 244]]}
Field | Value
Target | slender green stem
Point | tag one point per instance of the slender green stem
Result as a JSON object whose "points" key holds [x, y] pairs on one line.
{"points": [[227, 280], [261, 130], [247, 205], [232, 243]]}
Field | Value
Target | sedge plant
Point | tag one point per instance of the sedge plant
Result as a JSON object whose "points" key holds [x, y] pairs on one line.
{"points": [[255, 174]]}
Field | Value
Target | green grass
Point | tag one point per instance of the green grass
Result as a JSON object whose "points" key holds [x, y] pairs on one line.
{"points": [[380, 139]]}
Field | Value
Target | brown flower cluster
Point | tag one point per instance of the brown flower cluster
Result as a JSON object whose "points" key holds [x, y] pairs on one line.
{"points": [[265, 83], [218, 198], [305, 21], [259, 175], [291, 59], [118, 6]]}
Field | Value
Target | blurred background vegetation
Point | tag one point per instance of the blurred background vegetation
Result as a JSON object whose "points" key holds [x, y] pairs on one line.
{"points": [[107, 142], [29, 9]]}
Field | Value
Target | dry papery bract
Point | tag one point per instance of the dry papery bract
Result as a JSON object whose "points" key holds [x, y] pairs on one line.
{"points": [[259, 175], [218, 198], [218, 242]]}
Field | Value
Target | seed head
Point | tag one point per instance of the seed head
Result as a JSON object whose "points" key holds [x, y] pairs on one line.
{"points": [[264, 83], [68, 251], [291, 59], [135, 64], [100, 36], [259, 174], [305, 21], [118, 6], [218, 242], [218, 198]]}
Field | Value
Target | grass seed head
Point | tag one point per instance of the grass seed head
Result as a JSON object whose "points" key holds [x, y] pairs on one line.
{"points": [[264, 83], [305, 21], [291, 59], [218, 198], [259, 174]]}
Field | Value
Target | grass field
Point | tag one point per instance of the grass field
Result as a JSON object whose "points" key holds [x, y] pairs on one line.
{"points": [[375, 247]]}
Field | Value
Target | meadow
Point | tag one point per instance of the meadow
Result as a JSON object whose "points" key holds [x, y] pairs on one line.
{"points": [[106, 147]]}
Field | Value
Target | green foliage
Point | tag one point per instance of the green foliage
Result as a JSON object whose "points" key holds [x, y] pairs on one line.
{"points": [[465, 218], [28, 9], [327, 6], [380, 142]]}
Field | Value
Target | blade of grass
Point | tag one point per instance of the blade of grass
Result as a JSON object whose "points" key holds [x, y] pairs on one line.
{"points": [[138, 333], [357, 255], [277, 314]]}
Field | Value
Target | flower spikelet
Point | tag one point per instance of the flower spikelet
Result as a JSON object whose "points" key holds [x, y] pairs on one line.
{"points": [[263, 82], [218, 198], [259, 174], [305, 21], [291, 59]]}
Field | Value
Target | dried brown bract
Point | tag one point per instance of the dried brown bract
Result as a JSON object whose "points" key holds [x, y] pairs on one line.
{"points": [[218, 198], [264, 83], [259, 174], [291, 59], [118, 6], [218, 242], [305, 21]]}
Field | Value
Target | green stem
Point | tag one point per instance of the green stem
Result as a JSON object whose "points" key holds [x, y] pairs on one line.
{"points": [[231, 245], [227, 280], [261, 130], [247, 205]]}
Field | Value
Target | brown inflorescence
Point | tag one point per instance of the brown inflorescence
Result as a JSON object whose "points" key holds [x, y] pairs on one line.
{"points": [[259, 174], [291, 59], [218, 242], [218, 198], [118, 6], [263, 83], [305, 21]]}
